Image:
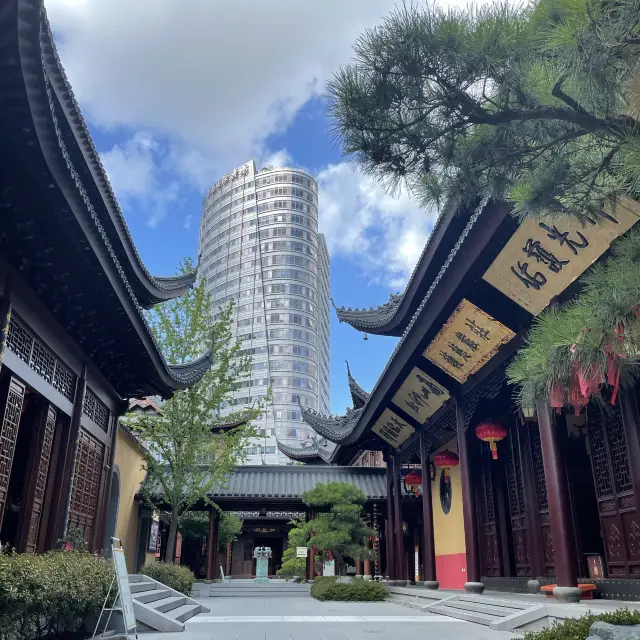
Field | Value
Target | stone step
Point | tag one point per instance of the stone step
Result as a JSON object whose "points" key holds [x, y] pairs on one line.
{"points": [[151, 595], [184, 612], [460, 614], [511, 604], [169, 603], [259, 594], [135, 587], [482, 607]]}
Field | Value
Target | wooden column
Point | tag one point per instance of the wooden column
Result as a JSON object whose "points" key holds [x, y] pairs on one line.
{"points": [[212, 545], [559, 507], [534, 539], [389, 528], [400, 559], [358, 567], [311, 555], [428, 542], [228, 567], [473, 584], [5, 319], [367, 570]]}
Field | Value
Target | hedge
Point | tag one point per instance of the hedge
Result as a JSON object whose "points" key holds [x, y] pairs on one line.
{"points": [[175, 576], [578, 628], [326, 588], [53, 595]]}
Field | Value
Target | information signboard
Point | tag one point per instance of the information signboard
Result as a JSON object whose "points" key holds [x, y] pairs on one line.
{"points": [[301, 552], [122, 577]]}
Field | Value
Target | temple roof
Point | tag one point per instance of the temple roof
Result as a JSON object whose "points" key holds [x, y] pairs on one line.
{"points": [[393, 317], [61, 230], [284, 482], [318, 450], [333, 428], [358, 395]]}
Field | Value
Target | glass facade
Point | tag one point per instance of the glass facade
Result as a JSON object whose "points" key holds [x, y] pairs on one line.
{"points": [[259, 246]]}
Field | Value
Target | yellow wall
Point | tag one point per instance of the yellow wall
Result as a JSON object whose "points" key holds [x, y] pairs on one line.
{"points": [[448, 529], [129, 460]]}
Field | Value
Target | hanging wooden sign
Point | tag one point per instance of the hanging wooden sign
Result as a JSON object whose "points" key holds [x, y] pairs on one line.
{"points": [[468, 340], [392, 429], [420, 395], [543, 257]]}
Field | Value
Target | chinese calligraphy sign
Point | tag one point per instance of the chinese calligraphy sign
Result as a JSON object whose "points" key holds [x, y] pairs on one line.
{"points": [[543, 257], [420, 395], [467, 341], [392, 429]]}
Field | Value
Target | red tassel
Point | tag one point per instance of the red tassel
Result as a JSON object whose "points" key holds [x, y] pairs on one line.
{"points": [[556, 396], [616, 386]]}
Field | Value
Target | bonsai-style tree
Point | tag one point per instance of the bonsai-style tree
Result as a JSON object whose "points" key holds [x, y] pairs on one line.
{"points": [[229, 530], [187, 452], [292, 566], [339, 531], [534, 103]]}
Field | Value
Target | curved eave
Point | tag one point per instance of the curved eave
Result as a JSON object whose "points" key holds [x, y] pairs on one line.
{"points": [[149, 290], [25, 27], [358, 395], [373, 320], [301, 454], [336, 429]]}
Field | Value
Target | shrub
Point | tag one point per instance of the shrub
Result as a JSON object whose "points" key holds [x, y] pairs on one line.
{"points": [[578, 628], [53, 595], [174, 576], [356, 591]]}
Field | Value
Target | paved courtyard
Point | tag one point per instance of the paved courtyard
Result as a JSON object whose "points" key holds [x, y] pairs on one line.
{"points": [[307, 619]]}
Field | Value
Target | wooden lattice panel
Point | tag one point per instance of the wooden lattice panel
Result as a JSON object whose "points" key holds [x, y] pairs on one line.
{"points": [[9, 435], [41, 479], [86, 484]]}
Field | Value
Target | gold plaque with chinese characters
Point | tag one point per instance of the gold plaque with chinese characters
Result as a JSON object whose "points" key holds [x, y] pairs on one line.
{"points": [[392, 429], [543, 257], [420, 395], [468, 340]]}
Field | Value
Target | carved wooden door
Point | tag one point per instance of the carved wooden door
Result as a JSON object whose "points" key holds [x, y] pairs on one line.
{"points": [[489, 548], [42, 450], [86, 485], [9, 435], [617, 500], [517, 507], [542, 503]]}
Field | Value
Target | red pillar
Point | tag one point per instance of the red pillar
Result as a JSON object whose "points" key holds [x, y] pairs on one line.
{"points": [[212, 546], [428, 542], [389, 528], [401, 569], [559, 508], [367, 570], [473, 584], [358, 567]]}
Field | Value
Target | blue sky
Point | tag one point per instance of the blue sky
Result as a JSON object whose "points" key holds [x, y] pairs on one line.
{"points": [[177, 94]]}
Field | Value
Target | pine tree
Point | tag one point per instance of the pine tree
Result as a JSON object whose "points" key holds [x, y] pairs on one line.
{"points": [[292, 566], [339, 530], [186, 455], [536, 104]]}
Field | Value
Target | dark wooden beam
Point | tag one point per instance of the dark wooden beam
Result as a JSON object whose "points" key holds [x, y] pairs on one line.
{"points": [[5, 318], [212, 544], [428, 542]]}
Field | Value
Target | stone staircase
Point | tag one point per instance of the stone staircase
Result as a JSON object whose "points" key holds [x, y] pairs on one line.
{"points": [[160, 608], [494, 612], [248, 589]]}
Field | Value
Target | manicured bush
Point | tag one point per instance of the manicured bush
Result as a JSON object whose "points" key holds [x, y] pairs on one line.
{"points": [[53, 595], [578, 628], [175, 576], [356, 591]]}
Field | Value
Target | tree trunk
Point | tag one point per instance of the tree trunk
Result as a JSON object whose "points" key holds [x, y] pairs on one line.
{"points": [[173, 533]]}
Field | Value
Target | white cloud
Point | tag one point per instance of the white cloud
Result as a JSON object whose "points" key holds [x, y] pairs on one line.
{"points": [[188, 221], [385, 234], [215, 75], [139, 178]]}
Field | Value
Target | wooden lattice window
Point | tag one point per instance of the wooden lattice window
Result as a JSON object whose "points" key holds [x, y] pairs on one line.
{"points": [[86, 484], [538, 469], [96, 410]]}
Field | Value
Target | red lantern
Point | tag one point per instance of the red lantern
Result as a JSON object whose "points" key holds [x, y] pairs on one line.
{"points": [[413, 481], [446, 459], [491, 432]]}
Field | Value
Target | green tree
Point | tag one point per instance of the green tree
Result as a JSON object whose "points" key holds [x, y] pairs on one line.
{"points": [[229, 530], [292, 566], [339, 530], [534, 103], [186, 454]]}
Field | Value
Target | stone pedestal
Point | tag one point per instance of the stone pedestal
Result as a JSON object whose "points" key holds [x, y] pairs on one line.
{"points": [[567, 594], [262, 570], [431, 584], [533, 586], [474, 587]]}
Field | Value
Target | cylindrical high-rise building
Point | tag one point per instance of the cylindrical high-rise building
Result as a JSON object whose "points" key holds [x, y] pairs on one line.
{"points": [[260, 246]]}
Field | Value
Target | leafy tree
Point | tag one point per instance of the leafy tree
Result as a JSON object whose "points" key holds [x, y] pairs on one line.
{"points": [[534, 103], [339, 531], [291, 564], [229, 530], [186, 454]]}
